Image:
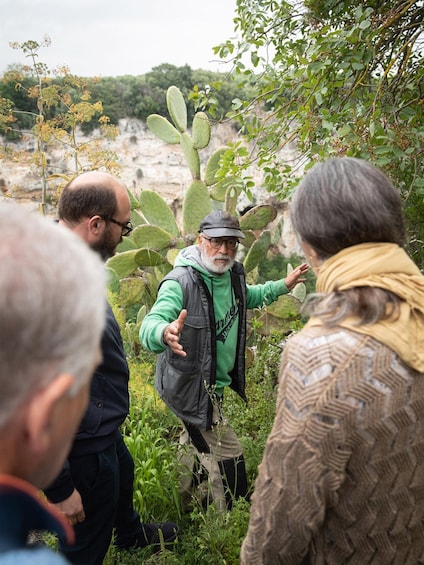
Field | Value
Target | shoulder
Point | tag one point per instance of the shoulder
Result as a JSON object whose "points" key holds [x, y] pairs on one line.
{"points": [[318, 354], [238, 268], [316, 337]]}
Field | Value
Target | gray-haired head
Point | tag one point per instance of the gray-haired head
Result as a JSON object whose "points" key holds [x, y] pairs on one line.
{"points": [[52, 302], [343, 202]]}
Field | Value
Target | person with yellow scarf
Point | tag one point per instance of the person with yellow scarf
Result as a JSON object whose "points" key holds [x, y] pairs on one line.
{"points": [[342, 476]]}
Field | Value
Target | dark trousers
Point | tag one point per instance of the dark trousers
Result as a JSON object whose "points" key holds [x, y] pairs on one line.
{"points": [[105, 482]]}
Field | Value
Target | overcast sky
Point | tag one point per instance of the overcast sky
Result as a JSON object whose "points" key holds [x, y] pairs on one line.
{"points": [[117, 37]]}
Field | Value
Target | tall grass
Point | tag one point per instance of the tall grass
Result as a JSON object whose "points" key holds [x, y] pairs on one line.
{"points": [[151, 433]]}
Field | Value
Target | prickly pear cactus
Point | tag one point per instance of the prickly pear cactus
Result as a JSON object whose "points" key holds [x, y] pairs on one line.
{"points": [[150, 251], [209, 192]]}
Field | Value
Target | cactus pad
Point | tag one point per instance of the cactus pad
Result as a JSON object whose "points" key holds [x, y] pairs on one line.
{"points": [[201, 130], [148, 258], [151, 237], [257, 251], [196, 206], [126, 245], [177, 108], [131, 290], [212, 166], [231, 198], [124, 263], [163, 129], [279, 320], [258, 217], [191, 154], [157, 212]]}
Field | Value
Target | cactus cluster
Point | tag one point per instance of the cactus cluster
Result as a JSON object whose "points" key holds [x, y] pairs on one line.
{"points": [[151, 249]]}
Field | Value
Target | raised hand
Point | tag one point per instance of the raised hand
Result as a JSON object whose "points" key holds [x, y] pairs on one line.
{"points": [[294, 277]]}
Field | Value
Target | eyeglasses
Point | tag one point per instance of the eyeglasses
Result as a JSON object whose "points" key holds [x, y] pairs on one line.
{"points": [[216, 242], [126, 228]]}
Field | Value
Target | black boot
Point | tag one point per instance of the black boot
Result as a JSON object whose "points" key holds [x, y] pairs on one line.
{"points": [[233, 473]]}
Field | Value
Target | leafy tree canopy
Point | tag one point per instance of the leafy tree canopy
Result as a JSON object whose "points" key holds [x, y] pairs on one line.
{"points": [[337, 78]]}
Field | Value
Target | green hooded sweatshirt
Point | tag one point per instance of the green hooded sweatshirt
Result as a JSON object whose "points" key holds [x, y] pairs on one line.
{"points": [[169, 304]]}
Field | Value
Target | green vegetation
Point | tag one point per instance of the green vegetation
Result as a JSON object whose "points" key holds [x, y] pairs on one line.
{"points": [[120, 97], [332, 77], [151, 433]]}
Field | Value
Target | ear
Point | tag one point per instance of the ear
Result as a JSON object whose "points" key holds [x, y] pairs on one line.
{"points": [[43, 411], [96, 225]]}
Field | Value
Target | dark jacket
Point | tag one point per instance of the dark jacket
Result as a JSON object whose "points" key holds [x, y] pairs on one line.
{"points": [[107, 409], [186, 383], [22, 510]]}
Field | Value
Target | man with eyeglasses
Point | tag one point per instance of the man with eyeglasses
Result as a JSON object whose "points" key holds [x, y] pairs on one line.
{"points": [[198, 327], [95, 487]]}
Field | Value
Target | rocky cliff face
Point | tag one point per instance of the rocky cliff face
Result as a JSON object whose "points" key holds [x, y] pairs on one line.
{"points": [[145, 162]]}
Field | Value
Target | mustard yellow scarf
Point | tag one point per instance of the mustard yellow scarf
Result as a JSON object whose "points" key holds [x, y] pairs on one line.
{"points": [[387, 266]]}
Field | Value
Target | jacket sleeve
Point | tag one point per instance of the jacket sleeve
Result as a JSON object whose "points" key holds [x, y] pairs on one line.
{"points": [[62, 487], [263, 294], [300, 472], [165, 310]]}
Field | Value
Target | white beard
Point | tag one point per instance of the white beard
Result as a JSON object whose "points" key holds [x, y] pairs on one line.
{"points": [[212, 267]]}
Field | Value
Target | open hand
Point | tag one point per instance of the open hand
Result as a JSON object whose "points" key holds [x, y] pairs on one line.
{"points": [[171, 334], [295, 277]]}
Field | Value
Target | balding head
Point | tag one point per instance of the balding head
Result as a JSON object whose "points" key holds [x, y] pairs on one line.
{"points": [[89, 194], [96, 205]]}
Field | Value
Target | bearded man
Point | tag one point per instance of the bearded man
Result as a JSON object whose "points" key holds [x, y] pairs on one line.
{"points": [[198, 327], [95, 487]]}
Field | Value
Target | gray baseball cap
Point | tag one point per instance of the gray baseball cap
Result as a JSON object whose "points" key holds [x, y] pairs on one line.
{"points": [[220, 224]]}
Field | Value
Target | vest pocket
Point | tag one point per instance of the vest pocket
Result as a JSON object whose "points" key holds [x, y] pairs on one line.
{"points": [[180, 391], [192, 340]]}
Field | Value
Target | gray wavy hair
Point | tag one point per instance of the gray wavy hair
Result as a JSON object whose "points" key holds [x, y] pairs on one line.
{"points": [[52, 301], [339, 203]]}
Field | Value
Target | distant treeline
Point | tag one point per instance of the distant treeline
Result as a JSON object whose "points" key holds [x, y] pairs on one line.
{"points": [[126, 96]]}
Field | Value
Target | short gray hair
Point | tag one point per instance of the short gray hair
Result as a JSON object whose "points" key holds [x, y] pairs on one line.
{"points": [[52, 304]]}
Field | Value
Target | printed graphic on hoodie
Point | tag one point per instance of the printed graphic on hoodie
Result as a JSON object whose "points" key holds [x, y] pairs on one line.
{"points": [[224, 326]]}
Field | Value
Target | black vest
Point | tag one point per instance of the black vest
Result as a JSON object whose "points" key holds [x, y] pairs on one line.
{"points": [[186, 384]]}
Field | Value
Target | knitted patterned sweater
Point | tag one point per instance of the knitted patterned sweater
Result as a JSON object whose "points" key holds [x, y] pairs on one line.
{"points": [[342, 477]]}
